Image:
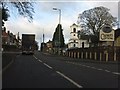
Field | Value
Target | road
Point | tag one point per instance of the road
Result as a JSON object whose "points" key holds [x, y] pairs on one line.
{"points": [[50, 71]]}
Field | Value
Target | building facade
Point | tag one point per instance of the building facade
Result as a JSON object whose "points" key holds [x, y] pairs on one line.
{"points": [[76, 41], [73, 41], [9, 38], [49, 45]]}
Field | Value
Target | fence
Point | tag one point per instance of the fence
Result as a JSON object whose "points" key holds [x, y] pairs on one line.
{"points": [[95, 53]]}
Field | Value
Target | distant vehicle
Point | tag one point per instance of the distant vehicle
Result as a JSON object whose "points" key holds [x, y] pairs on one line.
{"points": [[28, 43]]}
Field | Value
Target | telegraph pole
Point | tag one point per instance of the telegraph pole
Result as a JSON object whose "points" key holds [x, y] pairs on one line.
{"points": [[43, 40]]}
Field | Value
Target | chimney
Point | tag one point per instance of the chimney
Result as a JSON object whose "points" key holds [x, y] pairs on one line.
{"points": [[15, 36], [4, 29]]}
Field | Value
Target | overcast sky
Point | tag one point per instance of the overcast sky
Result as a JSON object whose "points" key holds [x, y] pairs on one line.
{"points": [[46, 19]]}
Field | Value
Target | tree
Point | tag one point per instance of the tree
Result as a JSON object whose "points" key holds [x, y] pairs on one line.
{"points": [[94, 19], [5, 14], [24, 8], [58, 41]]}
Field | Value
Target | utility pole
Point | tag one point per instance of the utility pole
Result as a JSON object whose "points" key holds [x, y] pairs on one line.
{"points": [[43, 41]]}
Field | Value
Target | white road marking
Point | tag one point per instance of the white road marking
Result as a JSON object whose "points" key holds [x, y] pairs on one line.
{"points": [[47, 65], [88, 66], [116, 73], [35, 57], [39, 60], [107, 71], [70, 80], [95, 68], [99, 69], [83, 65]]}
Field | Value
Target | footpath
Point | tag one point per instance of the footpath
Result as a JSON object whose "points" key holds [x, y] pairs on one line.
{"points": [[7, 59]]}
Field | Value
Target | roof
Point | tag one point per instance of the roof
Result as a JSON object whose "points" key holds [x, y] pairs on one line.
{"points": [[74, 24]]}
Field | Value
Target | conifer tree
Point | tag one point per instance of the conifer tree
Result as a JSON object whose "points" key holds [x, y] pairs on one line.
{"points": [[58, 37]]}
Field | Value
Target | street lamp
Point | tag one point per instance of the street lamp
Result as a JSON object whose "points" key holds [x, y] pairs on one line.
{"points": [[59, 14], [59, 26]]}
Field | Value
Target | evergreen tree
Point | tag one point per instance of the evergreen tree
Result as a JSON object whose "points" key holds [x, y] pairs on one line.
{"points": [[58, 38]]}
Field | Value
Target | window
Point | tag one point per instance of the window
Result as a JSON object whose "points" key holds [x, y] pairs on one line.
{"points": [[74, 34], [74, 40], [74, 29], [74, 45]]}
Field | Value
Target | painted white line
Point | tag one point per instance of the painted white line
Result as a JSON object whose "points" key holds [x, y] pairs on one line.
{"points": [[47, 65], [83, 65], [35, 57], [93, 67], [88, 66], [99, 69], [70, 80], [39, 60], [107, 70], [116, 73]]}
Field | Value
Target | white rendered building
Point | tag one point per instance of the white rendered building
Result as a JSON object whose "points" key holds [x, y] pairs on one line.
{"points": [[74, 41]]}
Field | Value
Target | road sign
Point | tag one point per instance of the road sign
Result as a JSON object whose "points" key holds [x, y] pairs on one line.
{"points": [[106, 34]]}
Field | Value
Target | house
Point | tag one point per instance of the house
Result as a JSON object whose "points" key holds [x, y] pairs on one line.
{"points": [[76, 40], [4, 36], [49, 46], [8, 38], [73, 41], [84, 41], [43, 47]]}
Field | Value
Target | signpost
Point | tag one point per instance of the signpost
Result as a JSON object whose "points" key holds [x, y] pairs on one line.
{"points": [[106, 34]]}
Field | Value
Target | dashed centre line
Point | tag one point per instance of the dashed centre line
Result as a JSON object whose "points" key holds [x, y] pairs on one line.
{"points": [[39, 60], [35, 57], [43, 63], [116, 73], [70, 80], [99, 69], [107, 71], [47, 65]]}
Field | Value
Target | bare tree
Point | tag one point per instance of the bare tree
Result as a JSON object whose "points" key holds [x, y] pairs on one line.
{"points": [[94, 19], [24, 8]]}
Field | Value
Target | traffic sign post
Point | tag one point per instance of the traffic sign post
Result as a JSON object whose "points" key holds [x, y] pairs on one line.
{"points": [[106, 34]]}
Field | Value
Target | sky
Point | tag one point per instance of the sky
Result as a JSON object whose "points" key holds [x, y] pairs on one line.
{"points": [[45, 19]]}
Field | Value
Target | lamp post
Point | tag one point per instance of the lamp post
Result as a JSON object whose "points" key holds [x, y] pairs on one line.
{"points": [[59, 14], [59, 27]]}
